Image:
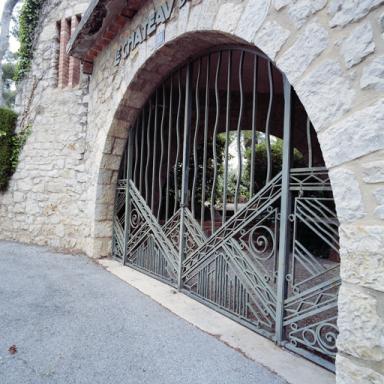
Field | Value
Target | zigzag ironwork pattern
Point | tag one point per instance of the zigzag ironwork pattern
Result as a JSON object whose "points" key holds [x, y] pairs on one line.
{"points": [[165, 247], [211, 202], [234, 246]]}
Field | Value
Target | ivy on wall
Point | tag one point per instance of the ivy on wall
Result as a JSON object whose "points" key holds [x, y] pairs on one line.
{"points": [[28, 20], [11, 145]]}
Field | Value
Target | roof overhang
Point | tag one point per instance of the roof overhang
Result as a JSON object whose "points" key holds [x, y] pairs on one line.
{"points": [[100, 24]]}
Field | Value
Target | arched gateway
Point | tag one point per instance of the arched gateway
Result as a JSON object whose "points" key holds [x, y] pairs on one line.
{"points": [[261, 245], [223, 193]]}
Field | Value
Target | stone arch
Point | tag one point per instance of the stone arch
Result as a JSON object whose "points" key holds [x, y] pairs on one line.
{"points": [[139, 88], [338, 103]]}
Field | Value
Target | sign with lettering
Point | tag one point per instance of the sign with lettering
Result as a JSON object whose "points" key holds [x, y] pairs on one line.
{"points": [[158, 16]]}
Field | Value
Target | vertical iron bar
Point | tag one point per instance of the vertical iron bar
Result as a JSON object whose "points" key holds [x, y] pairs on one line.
{"points": [[185, 172], [136, 151], [195, 162], [214, 145], [254, 138], [127, 212], [227, 129], [284, 213], [148, 152], [294, 234], [161, 153], [169, 150], [154, 161], [178, 142], [309, 141], [268, 124], [142, 152], [205, 155], [239, 152]]}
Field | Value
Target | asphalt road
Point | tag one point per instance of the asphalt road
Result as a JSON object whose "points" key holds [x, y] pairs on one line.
{"points": [[73, 322]]}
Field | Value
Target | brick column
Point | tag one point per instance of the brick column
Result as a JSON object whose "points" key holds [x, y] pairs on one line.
{"points": [[64, 58], [74, 64]]}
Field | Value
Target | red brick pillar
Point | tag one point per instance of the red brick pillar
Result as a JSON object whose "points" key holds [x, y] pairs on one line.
{"points": [[64, 58], [74, 64]]}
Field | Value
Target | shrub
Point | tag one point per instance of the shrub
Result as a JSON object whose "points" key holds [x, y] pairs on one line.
{"points": [[11, 145], [7, 132]]}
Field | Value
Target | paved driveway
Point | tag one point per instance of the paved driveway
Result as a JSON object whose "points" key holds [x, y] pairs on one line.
{"points": [[73, 322]]}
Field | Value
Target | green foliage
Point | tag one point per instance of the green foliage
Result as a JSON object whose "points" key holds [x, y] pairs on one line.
{"points": [[28, 19], [9, 91], [11, 145], [261, 161], [8, 73], [7, 131], [260, 165], [220, 144]]}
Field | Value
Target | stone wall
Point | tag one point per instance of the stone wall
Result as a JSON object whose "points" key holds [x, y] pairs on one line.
{"points": [[333, 54], [47, 198]]}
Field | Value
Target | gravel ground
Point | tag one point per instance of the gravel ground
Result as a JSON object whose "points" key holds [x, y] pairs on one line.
{"points": [[73, 322]]}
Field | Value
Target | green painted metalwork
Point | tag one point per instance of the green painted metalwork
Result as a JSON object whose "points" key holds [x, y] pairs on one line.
{"points": [[243, 221]]}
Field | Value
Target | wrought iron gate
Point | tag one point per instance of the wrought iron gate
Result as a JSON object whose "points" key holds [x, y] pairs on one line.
{"points": [[223, 193]]}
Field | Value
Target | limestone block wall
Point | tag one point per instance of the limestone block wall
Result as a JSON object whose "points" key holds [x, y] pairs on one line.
{"points": [[47, 198], [332, 52]]}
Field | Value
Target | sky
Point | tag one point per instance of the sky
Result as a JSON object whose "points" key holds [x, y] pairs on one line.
{"points": [[13, 43]]}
